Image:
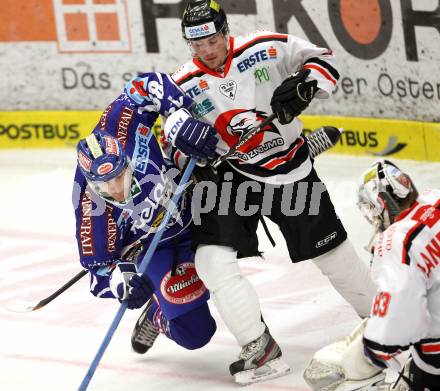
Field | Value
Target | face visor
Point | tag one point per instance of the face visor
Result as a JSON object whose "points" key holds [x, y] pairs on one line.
{"points": [[119, 190]]}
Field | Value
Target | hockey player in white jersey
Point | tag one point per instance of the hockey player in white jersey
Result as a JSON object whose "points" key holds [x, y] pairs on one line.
{"points": [[405, 313], [236, 83]]}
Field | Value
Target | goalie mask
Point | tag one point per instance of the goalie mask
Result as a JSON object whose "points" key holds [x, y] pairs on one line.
{"points": [[385, 192], [105, 165]]}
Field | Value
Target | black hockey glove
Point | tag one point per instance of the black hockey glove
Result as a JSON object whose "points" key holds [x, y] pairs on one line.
{"points": [[206, 173], [293, 96]]}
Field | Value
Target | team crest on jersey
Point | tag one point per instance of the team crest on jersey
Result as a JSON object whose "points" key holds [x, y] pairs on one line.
{"points": [[229, 89], [233, 124], [183, 287]]}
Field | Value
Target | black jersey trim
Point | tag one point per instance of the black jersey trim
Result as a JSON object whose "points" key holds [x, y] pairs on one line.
{"points": [[409, 239], [189, 77], [432, 358], [285, 168], [325, 65], [254, 42], [389, 349]]}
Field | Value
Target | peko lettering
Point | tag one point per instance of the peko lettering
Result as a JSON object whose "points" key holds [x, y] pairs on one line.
{"points": [[40, 131], [340, 15]]}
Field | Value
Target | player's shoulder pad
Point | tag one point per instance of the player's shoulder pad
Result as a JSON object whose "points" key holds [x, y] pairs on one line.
{"points": [[389, 243], [186, 70], [430, 196], [111, 115]]}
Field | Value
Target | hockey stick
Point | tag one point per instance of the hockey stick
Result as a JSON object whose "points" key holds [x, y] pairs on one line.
{"points": [[23, 306], [142, 267], [243, 140], [319, 141]]}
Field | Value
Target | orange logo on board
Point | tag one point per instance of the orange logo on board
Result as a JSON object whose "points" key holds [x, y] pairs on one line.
{"points": [[75, 25]]}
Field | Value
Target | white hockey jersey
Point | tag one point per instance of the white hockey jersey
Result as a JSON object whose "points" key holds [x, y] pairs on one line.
{"points": [[237, 99], [405, 268]]}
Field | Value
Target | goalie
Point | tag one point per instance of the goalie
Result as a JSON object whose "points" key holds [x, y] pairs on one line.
{"points": [[405, 314]]}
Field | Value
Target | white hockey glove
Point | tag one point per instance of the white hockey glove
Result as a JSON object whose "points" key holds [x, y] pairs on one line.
{"points": [[126, 284], [342, 366]]}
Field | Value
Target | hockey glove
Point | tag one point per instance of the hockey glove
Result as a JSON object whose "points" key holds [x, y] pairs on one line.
{"points": [[194, 138], [206, 173], [293, 96], [140, 292], [126, 284]]}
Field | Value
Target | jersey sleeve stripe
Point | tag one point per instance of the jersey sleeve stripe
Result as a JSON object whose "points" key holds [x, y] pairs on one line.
{"points": [[321, 70], [410, 236], [431, 348], [385, 350], [325, 65], [429, 351], [256, 41], [189, 76]]}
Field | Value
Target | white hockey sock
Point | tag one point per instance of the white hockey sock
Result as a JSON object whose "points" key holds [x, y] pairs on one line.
{"points": [[349, 275], [234, 296]]}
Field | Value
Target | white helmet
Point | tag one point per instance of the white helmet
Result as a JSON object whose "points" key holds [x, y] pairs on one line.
{"points": [[385, 191]]}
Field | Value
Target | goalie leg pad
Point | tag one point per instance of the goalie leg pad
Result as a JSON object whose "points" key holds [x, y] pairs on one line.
{"points": [[328, 377], [342, 366]]}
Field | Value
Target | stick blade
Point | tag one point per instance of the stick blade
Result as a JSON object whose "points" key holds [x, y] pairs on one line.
{"points": [[21, 306]]}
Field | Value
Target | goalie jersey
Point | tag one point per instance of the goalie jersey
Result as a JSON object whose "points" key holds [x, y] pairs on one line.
{"points": [[236, 98], [406, 310]]}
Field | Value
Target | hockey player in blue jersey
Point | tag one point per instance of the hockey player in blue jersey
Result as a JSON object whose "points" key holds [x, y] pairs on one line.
{"points": [[122, 186]]}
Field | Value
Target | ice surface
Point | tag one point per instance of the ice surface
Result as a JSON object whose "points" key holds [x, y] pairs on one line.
{"points": [[51, 349]]}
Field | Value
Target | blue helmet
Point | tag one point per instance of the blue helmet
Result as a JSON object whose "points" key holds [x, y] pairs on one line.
{"points": [[101, 157]]}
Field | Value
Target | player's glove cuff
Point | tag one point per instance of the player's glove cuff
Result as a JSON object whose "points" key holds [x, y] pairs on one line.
{"points": [[120, 278]]}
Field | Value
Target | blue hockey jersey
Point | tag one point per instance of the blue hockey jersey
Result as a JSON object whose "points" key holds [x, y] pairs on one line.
{"points": [[106, 230]]}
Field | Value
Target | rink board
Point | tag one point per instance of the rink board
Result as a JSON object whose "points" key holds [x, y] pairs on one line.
{"points": [[362, 136]]}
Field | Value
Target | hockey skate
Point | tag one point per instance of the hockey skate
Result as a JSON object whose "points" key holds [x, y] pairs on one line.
{"points": [[259, 360], [145, 332], [322, 139]]}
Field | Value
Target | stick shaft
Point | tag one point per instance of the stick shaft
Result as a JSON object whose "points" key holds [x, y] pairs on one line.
{"points": [[66, 286], [243, 140], [142, 267]]}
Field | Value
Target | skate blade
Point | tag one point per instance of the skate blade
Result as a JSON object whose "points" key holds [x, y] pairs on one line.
{"points": [[371, 384], [271, 370]]}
